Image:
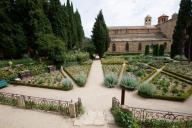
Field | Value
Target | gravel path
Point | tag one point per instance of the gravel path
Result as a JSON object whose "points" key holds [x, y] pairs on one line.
{"points": [[95, 97]]}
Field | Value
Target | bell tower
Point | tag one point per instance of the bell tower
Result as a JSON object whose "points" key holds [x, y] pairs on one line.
{"points": [[148, 20]]}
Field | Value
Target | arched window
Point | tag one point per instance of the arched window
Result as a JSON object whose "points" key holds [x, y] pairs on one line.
{"points": [[113, 47], [165, 45], [127, 47], [140, 47]]}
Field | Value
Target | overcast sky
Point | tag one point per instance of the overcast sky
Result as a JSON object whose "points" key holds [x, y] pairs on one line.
{"points": [[123, 12]]}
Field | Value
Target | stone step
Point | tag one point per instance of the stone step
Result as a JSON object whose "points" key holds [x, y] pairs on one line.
{"points": [[91, 118], [95, 119]]}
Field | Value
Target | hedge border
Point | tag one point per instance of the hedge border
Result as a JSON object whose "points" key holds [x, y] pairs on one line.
{"points": [[183, 76], [39, 86], [172, 98]]}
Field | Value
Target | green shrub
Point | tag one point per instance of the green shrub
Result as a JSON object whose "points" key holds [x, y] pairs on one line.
{"points": [[81, 80], [161, 50], [82, 56], [124, 119], [67, 85], [129, 83], [8, 100], [110, 80], [130, 68], [140, 73], [156, 50], [30, 105], [147, 90], [147, 50]]}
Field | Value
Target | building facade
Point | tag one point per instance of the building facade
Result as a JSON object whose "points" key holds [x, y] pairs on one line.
{"points": [[133, 39]]}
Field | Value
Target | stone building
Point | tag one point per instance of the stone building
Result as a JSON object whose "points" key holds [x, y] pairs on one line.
{"points": [[133, 39]]}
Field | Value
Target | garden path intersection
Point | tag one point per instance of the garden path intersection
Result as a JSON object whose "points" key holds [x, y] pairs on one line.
{"points": [[96, 99]]}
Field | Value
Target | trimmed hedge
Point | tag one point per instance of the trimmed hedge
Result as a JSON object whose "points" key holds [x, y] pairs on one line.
{"points": [[179, 75], [39, 86]]}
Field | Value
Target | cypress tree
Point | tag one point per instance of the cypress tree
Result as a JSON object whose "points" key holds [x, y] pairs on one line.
{"points": [[161, 50], [100, 35], [179, 35], [188, 44], [80, 32], [156, 50], [34, 21], [56, 17], [147, 50], [12, 38]]}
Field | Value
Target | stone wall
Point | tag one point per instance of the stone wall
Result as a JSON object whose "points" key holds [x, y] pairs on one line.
{"points": [[168, 27], [134, 46]]}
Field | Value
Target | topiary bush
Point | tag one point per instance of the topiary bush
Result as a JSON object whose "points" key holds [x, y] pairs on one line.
{"points": [[129, 83], [110, 80], [67, 85], [147, 90], [81, 80]]}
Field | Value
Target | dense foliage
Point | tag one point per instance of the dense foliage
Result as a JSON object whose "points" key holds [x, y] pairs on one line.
{"points": [[29, 26], [147, 50], [100, 35], [161, 50], [156, 50], [124, 119], [179, 36]]}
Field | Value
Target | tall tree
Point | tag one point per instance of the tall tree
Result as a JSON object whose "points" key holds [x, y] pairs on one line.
{"points": [[34, 20], [161, 50], [188, 44], [100, 35], [80, 32], [12, 38], [179, 35], [147, 50], [57, 19], [156, 50]]}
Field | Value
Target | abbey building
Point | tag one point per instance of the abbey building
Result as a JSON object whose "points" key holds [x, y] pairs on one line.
{"points": [[133, 39]]}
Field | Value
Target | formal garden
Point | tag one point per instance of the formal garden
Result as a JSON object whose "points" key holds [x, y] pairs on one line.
{"points": [[168, 84]]}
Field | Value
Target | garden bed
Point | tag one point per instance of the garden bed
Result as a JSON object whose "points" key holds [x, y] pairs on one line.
{"points": [[169, 88], [182, 69], [112, 68], [139, 71], [113, 60], [156, 62], [46, 80], [10, 74], [78, 72]]}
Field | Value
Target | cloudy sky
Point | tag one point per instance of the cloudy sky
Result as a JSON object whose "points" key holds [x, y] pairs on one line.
{"points": [[122, 12]]}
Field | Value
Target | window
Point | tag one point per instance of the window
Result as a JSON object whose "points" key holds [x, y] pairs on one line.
{"points": [[127, 47], [140, 47], [113, 47]]}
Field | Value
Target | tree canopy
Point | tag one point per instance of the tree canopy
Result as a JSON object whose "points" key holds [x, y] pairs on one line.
{"points": [[25, 22], [179, 36]]}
